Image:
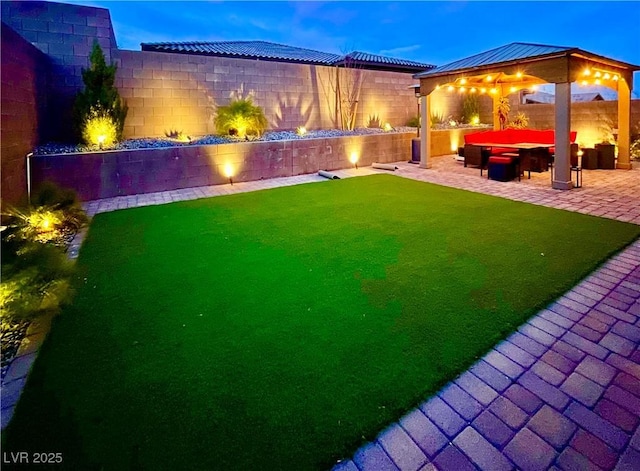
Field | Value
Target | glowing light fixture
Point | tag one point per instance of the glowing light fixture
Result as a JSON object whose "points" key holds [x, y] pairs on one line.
{"points": [[450, 88], [228, 171], [354, 159], [607, 76], [473, 90], [494, 90], [387, 127], [301, 130], [534, 87], [437, 87], [513, 89], [101, 139], [519, 75], [489, 78], [615, 77], [475, 120], [584, 83], [586, 72], [462, 89], [483, 90], [597, 74], [598, 81], [463, 81]]}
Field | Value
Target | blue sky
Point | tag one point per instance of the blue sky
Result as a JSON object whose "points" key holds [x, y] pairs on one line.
{"points": [[432, 32]]}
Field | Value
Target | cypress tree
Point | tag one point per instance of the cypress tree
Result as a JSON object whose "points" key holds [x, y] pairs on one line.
{"points": [[100, 98]]}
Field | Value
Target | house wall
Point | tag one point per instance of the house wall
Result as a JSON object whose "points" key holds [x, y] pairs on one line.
{"points": [[23, 73], [116, 173], [167, 91]]}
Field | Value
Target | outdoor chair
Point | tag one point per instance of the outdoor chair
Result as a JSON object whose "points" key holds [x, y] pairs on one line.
{"points": [[476, 156]]}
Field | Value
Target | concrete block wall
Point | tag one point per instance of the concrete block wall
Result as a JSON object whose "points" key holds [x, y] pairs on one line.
{"points": [[117, 173], [593, 120], [24, 98], [166, 91], [65, 33]]}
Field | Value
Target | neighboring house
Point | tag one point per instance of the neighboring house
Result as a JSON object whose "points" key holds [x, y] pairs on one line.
{"points": [[543, 97]]}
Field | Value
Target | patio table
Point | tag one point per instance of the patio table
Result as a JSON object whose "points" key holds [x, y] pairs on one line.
{"points": [[529, 153]]}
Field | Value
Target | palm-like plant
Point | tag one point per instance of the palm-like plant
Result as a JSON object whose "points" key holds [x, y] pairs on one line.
{"points": [[241, 118]]}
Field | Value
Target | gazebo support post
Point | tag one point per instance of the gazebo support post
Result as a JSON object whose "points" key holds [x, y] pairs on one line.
{"points": [[562, 171], [624, 118], [425, 133]]}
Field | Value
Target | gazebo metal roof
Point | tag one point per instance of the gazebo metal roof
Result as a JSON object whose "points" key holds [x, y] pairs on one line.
{"points": [[518, 53]]}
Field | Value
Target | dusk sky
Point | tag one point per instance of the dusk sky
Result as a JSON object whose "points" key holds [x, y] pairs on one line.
{"points": [[432, 32]]}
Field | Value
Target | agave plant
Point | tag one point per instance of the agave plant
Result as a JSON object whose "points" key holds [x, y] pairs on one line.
{"points": [[241, 118]]}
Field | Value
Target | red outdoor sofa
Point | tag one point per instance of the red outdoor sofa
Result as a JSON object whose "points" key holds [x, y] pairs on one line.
{"points": [[535, 160]]}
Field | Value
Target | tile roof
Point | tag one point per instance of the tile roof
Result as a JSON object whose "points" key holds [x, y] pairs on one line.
{"points": [[510, 52], [245, 50], [279, 52], [374, 60]]}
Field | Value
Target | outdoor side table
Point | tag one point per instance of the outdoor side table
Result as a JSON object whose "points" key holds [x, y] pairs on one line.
{"points": [[606, 156], [589, 159]]}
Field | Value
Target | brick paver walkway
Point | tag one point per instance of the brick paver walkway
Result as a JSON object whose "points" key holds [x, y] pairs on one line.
{"points": [[562, 392]]}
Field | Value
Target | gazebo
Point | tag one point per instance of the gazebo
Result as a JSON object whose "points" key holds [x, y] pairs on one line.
{"points": [[507, 69]]}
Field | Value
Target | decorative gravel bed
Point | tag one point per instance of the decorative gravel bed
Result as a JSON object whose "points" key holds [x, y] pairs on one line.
{"points": [[53, 148], [11, 334]]}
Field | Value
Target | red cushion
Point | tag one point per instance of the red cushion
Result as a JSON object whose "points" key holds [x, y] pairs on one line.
{"points": [[502, 150], [512, 136], [500, 160]]}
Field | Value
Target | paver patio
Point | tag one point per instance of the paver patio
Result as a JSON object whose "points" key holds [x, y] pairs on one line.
{"points": [[562, 392]]}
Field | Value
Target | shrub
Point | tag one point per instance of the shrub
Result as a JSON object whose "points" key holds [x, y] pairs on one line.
{"points": [[99, 129], [437, 118], [414, 122], [100, 101], [35, 270], [241, 118], [470, 109], [519, 122]]}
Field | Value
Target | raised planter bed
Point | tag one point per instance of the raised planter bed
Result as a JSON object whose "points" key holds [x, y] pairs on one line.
{"points": [[96, 175]]}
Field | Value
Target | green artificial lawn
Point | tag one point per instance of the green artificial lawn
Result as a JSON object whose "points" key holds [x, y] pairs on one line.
{"points": [[280, 329]]}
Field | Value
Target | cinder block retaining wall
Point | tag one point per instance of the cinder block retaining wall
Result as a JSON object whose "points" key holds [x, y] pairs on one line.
{"points": [[24, 102], [592, 120], [116, 173], [166, 91]]}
